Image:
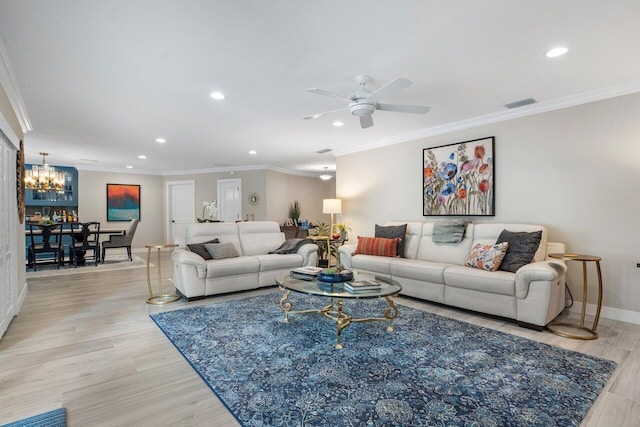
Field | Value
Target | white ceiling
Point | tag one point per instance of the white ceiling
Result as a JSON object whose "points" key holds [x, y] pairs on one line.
{"points": [[101, 80]]}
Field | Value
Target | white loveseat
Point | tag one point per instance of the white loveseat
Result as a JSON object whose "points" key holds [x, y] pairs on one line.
{"points": [[196, 278], [534, 295]]}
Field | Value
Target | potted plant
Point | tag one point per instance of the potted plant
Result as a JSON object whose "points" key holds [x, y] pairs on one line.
{"points": [[294, 211], [322, 229], [343, 228]]}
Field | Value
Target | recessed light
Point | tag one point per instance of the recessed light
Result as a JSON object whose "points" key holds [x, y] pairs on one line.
{"points": [[161, 140], [557, 51], [142, 156], [217, 95], [129, 167], [338, 123], [253, 152]]}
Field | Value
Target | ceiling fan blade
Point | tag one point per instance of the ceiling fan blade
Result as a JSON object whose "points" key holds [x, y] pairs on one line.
{"points": [[318, 115], [366, 122], [325, 93], [388, 89], [415, 109]]}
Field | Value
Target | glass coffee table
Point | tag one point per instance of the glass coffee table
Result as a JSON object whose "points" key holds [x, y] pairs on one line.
{"points": [[336, 293]]}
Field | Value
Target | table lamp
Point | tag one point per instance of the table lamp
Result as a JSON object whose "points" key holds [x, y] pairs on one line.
{"points": [[331, 206]]}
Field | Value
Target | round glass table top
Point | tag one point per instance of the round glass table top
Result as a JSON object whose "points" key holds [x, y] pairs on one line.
{"points": [[336, 290]]}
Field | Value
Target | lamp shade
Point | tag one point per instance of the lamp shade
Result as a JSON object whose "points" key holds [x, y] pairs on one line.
{"points": [[332, 206]]}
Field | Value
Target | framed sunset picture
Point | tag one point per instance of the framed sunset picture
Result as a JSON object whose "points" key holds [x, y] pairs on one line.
{"points": [[123, 202]]}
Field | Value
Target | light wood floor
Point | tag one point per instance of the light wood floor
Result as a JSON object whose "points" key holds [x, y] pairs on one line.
{"points": [[85, 342]]}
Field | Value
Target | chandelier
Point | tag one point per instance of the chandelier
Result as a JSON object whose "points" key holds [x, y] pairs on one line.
{"points": [[44, 178]]}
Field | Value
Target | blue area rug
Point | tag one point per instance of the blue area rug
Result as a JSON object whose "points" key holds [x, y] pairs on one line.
{"points": [[55, 418], [430, 371]]}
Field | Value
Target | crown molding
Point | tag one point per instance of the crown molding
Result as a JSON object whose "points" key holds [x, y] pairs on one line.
{"points": [[501, 116], [10, 85], [233, 169]]}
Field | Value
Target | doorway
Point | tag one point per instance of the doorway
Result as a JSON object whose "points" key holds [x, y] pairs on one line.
{"points": [[230, 199], [180, 209]]}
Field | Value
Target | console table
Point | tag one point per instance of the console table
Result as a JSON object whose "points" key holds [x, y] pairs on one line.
{"points": [[580, 331]]}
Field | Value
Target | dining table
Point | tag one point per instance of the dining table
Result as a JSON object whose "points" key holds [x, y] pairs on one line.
{"points": [[65, 230]]}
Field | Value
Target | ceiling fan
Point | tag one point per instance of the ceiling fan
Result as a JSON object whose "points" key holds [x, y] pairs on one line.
{"points": [[363, 102]]}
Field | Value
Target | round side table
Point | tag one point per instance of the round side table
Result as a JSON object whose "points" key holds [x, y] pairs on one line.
{"points": [[570, 330], [161, 298]]}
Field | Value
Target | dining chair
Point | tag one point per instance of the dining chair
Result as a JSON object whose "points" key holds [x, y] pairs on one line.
{"points": [[85, 237], [45, 244], [121, 240]]}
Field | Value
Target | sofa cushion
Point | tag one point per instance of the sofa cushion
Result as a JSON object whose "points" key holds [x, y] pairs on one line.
{"points": [[222, 250], [279, 261], [522, 248], [258, 238], [487, 257], [393, 232], [232, 266], [495, 282], [198, 248], [417, 269], [375, 264]]}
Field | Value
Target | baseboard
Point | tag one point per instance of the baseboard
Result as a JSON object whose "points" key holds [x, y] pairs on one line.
{"points": [[21, 298], [612, 313]]}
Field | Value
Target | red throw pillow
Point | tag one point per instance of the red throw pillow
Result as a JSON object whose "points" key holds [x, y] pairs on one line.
{"points": [[377, 246]]}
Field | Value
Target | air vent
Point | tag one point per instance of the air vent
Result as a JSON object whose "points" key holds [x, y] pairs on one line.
{"points": [[89, 160], [324, 150], [521, 103]]}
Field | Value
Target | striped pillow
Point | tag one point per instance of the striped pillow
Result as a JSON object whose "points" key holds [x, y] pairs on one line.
{"points": [[377, 246], [487, 257]]}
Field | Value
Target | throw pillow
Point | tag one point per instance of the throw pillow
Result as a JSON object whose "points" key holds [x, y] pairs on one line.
{"points": [[487, 257], [198, 248], [393, 232], [377, 246], [222, 250], [522, 248]]}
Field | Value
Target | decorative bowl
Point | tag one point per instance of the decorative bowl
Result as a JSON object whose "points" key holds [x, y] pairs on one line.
{"points": [[335, 277]]}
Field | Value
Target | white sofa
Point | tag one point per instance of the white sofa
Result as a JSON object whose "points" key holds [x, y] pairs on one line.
{"points": [[196, 278], [534, 295]]}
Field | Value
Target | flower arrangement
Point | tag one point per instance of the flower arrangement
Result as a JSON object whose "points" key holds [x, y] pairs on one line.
{"points": [[209, 211]]}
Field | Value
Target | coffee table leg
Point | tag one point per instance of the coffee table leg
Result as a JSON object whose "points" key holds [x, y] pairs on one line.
{"points": [[285, 305], [390, 313], [343, 320]]}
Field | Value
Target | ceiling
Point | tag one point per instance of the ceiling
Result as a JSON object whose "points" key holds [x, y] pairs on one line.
{"points": [[101, 80]]}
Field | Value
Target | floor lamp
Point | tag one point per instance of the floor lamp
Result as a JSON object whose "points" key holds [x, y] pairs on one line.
{"points": [[331, 206]]}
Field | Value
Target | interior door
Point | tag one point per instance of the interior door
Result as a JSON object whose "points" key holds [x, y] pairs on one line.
{"points": [[180, 209], [230, 199]]}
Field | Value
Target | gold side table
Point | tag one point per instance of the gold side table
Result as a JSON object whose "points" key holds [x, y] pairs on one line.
{"points": [[161, 298], [570, 330]]}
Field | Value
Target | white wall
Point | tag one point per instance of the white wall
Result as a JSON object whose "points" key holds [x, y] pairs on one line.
{"points": [[92, 203], [283, 189], [575, 171]]}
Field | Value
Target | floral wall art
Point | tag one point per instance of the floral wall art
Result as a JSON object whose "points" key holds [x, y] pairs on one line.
{"points": [[458, 179]]}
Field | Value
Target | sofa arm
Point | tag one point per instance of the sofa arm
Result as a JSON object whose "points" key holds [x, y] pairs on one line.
{"points": [[345, 252], [183, 256], [309, 252], [546, 271]]}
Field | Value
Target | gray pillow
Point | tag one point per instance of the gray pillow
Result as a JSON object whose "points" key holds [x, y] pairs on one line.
{"points": [[198, 248], [222, 250], [393, 232], [522, 248]]}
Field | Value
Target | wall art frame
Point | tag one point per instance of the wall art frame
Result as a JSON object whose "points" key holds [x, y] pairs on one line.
{"points": [[459, 179], [123, 202]]}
